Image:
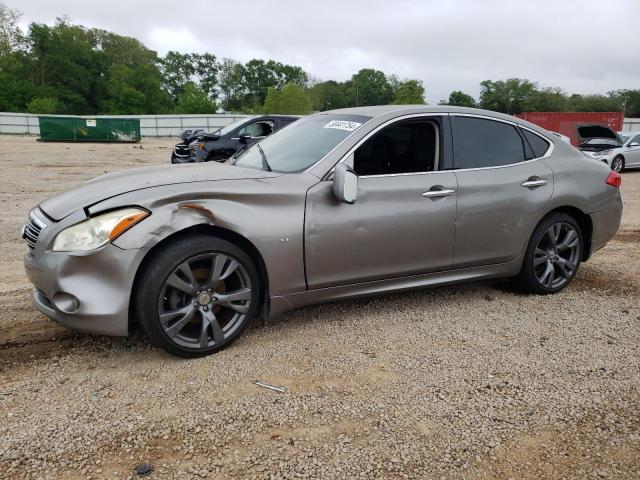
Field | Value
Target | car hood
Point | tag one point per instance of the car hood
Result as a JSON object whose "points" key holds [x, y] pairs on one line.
{"points": [[585, 132], [117, 183]]}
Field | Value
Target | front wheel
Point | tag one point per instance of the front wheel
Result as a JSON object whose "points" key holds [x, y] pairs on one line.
{"points": [[197, 295], [553, 255], [617, 164]]}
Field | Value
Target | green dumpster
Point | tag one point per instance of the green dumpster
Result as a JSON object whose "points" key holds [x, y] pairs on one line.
{"points": [[89, 129]]}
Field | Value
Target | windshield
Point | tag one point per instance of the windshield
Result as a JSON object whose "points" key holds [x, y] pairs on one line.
{"points": [[302, 143], [624, 137], [231, 127]]}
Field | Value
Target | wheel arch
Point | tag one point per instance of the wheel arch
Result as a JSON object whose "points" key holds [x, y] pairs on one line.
{"points": [[585, 223], [214, 231]]}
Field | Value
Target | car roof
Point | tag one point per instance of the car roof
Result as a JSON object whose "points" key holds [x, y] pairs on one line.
{"points": [[391, 111], [281, 117], [380, 110]]}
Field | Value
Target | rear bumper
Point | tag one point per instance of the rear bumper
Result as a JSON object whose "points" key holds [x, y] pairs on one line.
{"points": [[606, 224], [100, 283]]}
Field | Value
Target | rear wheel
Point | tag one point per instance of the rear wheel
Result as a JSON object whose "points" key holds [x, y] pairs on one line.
{"points": [[553, 255], [197, 296], [617, 164]]}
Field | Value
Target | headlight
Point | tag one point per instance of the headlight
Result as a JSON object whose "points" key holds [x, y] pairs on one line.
{"points": [[601, 153], [97, 231]]}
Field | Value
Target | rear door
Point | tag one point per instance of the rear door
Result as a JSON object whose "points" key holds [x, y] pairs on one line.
{"points": [[503, 188]]}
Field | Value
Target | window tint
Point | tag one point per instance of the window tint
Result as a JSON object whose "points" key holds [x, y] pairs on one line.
{"points": [[400, 148], [485, 143], [258, 129], [538, 144]]}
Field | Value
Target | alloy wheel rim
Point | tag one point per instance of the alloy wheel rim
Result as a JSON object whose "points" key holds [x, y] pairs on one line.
{"points": [[616, 165], [556, 256], [204, 300]]}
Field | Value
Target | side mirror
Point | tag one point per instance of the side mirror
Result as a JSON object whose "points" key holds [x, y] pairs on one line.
{"points": [[345, 184], [245, 137], [634, 144]]}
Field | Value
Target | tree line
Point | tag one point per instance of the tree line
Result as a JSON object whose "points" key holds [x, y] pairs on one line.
{"points": [[70, 69]]}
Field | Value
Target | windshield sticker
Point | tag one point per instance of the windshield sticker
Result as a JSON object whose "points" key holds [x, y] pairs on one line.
{"points": [[342, 125]]}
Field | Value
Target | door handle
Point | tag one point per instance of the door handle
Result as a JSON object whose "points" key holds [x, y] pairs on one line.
{"points": [[438, 193], [534, 183]]}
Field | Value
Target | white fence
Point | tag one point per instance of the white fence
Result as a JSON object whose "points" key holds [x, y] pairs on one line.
{"points": [[166, 125], [631, 125], [150, 125]]}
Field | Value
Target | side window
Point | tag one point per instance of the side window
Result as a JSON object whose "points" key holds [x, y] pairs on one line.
{"points": [[478, 143], [537, 143], [410, 147], [258, 129], [635, 139]]}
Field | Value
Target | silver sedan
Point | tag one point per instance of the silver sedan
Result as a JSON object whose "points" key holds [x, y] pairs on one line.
{"points": [[340, 204], [621, 156]]}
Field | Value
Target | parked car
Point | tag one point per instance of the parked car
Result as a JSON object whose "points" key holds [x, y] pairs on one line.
{"points": [[628, 156], [618, 150], [340, 204], [200, 146]]}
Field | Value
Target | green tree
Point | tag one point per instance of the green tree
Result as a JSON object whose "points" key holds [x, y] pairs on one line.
{"points": [[16, 85], [549, 100], [513, 95], [206, 73], [330, 95], [370, 87], [194, 99], [258, 78], [42, 105], [291, 99], [409, 92], [231, 82], [458, 98], [594, 103], [177, 69], [630, 99], [10, 34]]}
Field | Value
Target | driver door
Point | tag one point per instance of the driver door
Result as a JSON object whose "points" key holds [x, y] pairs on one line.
{"points": [[403, 220]]}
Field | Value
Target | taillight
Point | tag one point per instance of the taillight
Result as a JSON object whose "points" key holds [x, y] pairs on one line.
{"points": [[614, 179]]}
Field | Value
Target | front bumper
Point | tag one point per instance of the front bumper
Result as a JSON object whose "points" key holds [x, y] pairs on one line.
{"points": [[101, 282]]}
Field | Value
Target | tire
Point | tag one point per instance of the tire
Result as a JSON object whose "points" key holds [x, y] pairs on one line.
{"points": [[196, 295], [554, 251], [617, 164]]}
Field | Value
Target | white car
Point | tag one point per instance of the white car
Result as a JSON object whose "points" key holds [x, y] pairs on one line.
{"points": [[618, 150]]}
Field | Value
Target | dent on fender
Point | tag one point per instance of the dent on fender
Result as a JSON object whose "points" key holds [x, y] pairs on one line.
{"points": [[198, 208]]}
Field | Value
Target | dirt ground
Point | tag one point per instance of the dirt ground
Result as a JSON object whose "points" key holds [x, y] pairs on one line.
{"points": [[469, 381]]}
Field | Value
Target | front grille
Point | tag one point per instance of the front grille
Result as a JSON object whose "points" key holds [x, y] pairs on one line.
{"points": [[31, 230]]}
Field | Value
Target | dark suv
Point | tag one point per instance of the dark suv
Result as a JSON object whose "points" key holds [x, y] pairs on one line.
{"points": [[201, 146]]}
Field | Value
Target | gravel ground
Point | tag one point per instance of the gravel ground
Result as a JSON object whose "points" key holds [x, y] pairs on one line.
{"points": [[471, 381]]}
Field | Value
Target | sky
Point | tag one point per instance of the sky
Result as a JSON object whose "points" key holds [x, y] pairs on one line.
{"points": [[581, 46]]}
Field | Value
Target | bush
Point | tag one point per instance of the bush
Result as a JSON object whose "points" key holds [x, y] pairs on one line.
{"points": [[42, 105], [292, 99]]}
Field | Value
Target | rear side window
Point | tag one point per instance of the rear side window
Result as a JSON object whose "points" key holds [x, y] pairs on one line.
{"points": [[537, 143], [478, 143]]}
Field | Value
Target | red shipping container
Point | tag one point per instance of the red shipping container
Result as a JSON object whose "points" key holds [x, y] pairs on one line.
{"points": [[566, 122]]}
